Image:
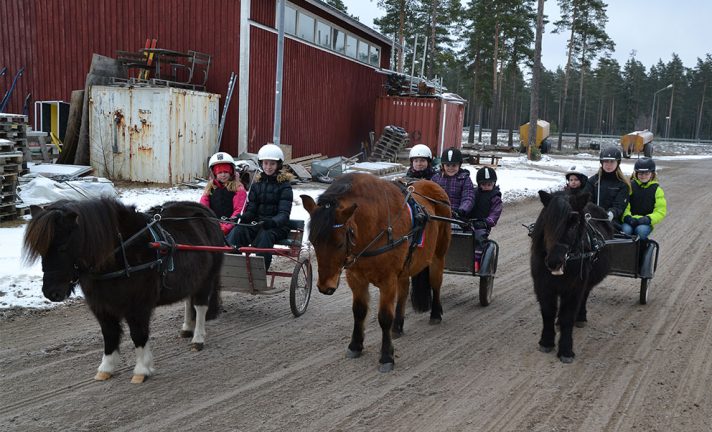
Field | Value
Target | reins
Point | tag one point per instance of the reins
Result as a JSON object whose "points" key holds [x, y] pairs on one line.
{"points": [[391, 243]]}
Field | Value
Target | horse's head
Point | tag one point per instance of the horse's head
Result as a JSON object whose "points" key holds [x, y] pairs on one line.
{"points": [[331, 233], [561, 224], [50, 235]]}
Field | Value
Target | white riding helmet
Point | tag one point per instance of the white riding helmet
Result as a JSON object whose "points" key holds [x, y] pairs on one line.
{"points": [[270, 151], [221, 158], [420, 150]]}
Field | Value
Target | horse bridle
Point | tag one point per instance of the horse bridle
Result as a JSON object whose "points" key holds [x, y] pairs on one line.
{"points": [[349, 241], [596, 239]]}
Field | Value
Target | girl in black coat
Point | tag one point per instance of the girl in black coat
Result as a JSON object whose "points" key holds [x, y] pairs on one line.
{"points": [[269, 205], [609, 188]]}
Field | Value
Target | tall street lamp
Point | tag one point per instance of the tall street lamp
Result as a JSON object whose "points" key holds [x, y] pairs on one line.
{"points": [[652, 113]]}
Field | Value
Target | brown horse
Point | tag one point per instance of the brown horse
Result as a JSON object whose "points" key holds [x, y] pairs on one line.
{"points": [[378, 231]]}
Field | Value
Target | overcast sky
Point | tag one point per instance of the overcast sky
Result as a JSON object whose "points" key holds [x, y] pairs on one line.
{"points": [[654, 29]]}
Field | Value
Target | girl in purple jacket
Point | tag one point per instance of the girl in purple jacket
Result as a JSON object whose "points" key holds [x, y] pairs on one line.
{"points": [[456, 182]]}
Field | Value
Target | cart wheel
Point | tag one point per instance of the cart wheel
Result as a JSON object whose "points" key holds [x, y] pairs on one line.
{"points": [[486, 285], [300, 288], [648, 150], [644, 288]]}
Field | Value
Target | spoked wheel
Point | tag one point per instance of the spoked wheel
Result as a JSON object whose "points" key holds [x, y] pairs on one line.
{"points": [[300, 288], [486, 286], [644, 288]]}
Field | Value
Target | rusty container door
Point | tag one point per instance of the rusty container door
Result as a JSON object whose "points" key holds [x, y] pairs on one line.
{"points": [[434, 122], [151, 134]]}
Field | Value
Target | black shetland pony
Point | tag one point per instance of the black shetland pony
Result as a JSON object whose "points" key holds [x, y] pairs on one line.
{"points": [[568, 259], [104, 246]]}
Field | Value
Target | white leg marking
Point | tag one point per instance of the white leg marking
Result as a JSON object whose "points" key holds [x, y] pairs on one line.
{"points": [[188, 322], [110, 362], [144, 361], [199, 333]]}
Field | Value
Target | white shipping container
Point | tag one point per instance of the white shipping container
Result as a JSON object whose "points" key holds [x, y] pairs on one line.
{"points": [[152, 134]]}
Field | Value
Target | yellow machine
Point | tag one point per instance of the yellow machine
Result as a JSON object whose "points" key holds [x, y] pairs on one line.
{"points": [[542, 133], [637, 142]]}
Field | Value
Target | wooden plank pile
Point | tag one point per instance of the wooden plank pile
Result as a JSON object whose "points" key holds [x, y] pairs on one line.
{"points": [[14, 154], [392, 140]]}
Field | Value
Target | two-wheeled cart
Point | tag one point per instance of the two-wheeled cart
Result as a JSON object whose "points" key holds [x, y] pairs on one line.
{"points": [[460, 259], [242, 271], [634, 258]]}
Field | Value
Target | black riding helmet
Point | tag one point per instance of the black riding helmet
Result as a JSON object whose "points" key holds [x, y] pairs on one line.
{"points": [[451, 156], [610, 153], [486, 174], [644, 164]]}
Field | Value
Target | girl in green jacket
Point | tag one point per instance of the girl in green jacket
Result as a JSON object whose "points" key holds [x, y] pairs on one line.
{"points": [[647, 205]]}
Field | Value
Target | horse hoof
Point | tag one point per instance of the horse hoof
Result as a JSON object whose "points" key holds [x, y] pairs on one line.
{"points": [[385, 367], [102, 376], [396, 334], [138, 379], [195, 347], [580, 324], [566, 360], [186, 334], [545, 349], [434, 321], [352, 354]]}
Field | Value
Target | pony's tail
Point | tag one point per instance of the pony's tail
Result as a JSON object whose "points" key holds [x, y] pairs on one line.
{"points": [[421, 294]]}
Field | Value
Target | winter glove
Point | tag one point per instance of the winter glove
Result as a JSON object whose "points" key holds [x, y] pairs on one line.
{"points": [[268, 224], [628, 219], [645, 220], [458, 214], [225, 227], [610, 215], [479, 224]]}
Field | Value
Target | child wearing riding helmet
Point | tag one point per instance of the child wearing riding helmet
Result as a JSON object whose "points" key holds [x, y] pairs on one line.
{"points": [[647, 205], [421, 162], [456, 182], [575, 181], [224, 194], [609, 188], [265, 219], [486, 210]]}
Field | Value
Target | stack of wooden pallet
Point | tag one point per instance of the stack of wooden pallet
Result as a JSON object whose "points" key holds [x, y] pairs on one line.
{"points": [[13, 163], [392, 140]]}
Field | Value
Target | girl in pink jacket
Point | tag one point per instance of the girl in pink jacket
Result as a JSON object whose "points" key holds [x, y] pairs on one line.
{"points": [[224, 194]]}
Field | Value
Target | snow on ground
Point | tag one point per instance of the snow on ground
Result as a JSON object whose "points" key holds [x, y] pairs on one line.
{"points": [[518, 178]]}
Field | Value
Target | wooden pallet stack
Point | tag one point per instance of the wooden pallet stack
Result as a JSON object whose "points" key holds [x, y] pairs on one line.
{"points": [[14, 154], [392, 140]]}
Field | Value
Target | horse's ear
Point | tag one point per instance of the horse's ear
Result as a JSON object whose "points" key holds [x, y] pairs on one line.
{"points": [[343, 215], [308, 202], [35, 210], [545, 197]]}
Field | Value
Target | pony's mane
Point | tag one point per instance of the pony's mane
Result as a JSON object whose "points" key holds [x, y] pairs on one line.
{"points": [[552, 219], [94, 224], [321, 222]]}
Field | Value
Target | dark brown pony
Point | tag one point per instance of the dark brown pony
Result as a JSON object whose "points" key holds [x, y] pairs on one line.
{"points": [[568, 259], [363, 224], [102, 245]]}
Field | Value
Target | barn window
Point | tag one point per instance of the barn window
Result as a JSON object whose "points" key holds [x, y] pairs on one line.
{"points": [[290, 20], [305, 27], [374, 56], [362, 51], [351, 46], [323, 34], [339, 41]]}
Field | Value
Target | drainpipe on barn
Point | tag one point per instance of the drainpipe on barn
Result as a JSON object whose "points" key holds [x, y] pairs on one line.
{"points": [[277, 129]]}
